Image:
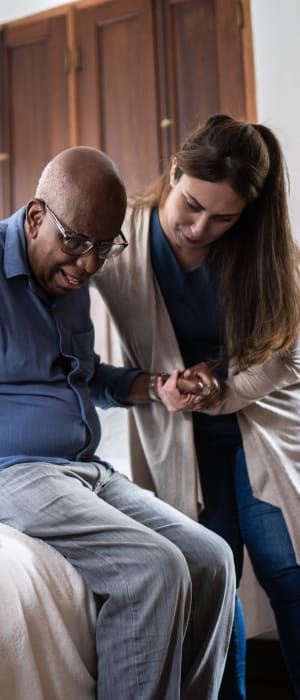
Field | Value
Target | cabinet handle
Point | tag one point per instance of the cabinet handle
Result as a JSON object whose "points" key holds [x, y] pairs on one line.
{"points": [[4, 156], [165, 123]]}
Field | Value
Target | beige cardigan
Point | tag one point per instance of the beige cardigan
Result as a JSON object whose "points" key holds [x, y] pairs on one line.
{"points": [[266, 397]]}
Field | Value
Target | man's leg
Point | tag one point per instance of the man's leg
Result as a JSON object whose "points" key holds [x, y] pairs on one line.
{"points": [[211, 569], [140, 578]]}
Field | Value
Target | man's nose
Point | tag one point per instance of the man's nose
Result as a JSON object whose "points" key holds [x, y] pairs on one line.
{"points": [[90, 262], [199, 224]]}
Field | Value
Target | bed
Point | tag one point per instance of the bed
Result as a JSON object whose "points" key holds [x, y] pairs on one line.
{"points": [[47, 623]]}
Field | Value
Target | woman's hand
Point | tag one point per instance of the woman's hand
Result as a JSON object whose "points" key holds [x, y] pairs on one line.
{"points": [[173, 397], [195, 389], [212, 389]]}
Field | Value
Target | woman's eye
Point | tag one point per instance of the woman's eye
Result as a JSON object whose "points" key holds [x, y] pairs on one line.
{"points": [[192, 205], [223, 219]]}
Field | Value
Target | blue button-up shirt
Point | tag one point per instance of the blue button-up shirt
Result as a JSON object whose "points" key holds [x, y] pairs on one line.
{"points": [[50, 377]]}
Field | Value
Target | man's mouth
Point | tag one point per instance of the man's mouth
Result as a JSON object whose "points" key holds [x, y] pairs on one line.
{"points": [[72, 281]]}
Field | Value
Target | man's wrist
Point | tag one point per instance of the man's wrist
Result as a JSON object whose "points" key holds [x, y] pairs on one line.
{"points": [[152, 385]]}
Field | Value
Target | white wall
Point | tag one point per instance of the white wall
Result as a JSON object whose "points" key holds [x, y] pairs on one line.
{"points": [[276, 25], [14, 9]]}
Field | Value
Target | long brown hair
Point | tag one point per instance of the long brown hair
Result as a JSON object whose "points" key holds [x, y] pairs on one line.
{"points": [[257, 260]]}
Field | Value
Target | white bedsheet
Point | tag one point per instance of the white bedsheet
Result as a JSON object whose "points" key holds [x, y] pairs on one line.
{"points": [[47, 624]]}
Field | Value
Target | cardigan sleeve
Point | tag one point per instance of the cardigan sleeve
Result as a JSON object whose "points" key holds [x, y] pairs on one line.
{"points": [[253, 384]]}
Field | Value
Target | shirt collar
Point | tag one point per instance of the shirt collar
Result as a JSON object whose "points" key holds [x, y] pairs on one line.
{"points": [[15, 260]]}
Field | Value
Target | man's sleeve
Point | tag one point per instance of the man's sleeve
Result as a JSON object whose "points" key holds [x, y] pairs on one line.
{"points": [[111, 385]]}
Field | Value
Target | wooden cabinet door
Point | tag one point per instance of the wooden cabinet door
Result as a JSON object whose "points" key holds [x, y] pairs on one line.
{"points": [[35, 104], [118, 86], [201, 48]]}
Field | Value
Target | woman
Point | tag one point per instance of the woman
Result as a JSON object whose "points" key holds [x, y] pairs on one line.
{"points": [[211, 275]]}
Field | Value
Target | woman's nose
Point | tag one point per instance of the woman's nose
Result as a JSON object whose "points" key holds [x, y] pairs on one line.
{"points": [[199, 224]]}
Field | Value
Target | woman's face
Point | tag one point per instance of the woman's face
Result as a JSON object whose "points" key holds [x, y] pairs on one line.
{"points": [[196, 213]]}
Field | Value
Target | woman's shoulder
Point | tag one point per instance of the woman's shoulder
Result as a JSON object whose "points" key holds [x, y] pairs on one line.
{"points": [[137, 220]]}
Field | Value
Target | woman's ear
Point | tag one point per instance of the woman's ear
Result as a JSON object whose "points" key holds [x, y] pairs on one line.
{"points": [[35, 212]]}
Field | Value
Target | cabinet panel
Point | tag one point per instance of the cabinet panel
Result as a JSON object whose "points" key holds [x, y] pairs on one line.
{"points": [[36, 103], [203, 52], [118, 87]]}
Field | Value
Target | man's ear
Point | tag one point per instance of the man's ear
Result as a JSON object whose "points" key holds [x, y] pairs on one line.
{"points": [[35, 212]]}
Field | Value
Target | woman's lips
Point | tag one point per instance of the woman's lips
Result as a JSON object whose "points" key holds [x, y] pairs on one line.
{"points": [[191, 241]]}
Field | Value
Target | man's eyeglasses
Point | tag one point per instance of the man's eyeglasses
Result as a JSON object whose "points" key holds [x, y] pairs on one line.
{"points": [[76, 244]]}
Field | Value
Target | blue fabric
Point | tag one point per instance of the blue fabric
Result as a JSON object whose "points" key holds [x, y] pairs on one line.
{"points": [[46, 358], [271, 551], [191, 297]]}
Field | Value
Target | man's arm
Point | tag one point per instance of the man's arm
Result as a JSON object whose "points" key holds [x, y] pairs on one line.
{"points": [[121, 386]]}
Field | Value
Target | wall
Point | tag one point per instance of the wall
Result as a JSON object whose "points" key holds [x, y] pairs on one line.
{"points": [[15, 9], [276, 26]]}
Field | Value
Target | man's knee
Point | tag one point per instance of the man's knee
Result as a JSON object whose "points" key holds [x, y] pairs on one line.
{"points": [[226, 566], [223, 580], [168, 569], [210, 558]]}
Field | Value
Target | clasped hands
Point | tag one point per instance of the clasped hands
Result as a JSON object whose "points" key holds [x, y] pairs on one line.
{"points": [[195, 389]]}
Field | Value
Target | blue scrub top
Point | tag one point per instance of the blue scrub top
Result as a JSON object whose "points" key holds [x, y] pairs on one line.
{"points": [[191, 297]]}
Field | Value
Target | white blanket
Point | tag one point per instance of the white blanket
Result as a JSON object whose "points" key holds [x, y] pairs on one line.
{"points": [[47, 624]]}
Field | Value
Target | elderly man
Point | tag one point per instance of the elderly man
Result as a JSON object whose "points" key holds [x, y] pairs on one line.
{"points": [[164, 584]]}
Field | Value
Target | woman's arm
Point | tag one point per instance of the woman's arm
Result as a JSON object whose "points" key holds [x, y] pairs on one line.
{"points": [[258, 381], [237, 392]]}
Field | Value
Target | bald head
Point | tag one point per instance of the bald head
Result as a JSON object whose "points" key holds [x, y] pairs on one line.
{"points": [[83, 186], [74, 222]]}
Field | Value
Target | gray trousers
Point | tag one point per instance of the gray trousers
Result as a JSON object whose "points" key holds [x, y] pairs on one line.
{"points": [[164, 584]]}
